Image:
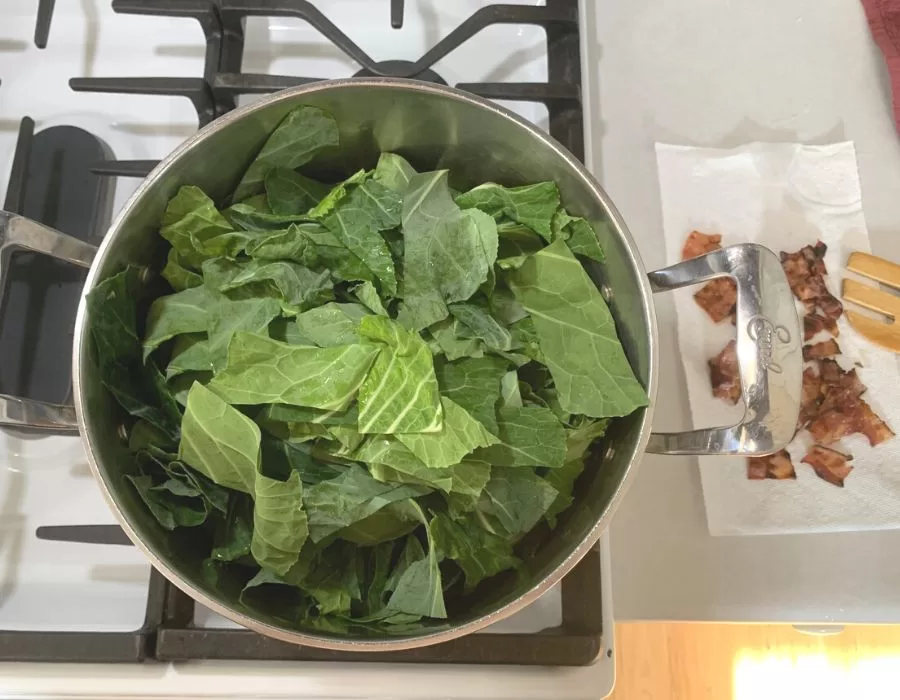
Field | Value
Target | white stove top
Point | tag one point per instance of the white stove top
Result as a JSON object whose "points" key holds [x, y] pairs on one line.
{"points": [[45, 480]]}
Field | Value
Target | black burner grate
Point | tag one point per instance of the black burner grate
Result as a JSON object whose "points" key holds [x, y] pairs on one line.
{"points": [[168, 633]]}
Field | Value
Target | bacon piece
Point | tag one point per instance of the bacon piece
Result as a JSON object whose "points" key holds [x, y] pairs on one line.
{"points": [[775, 466], [850, 414], [830, 426], [805, 273], [830, 465], [820, 350], [830, 306], [838, 390], [814, 323], [723, 374], [698, 244], [871, 425], [830, 371], [809, 397], [718, 299]]}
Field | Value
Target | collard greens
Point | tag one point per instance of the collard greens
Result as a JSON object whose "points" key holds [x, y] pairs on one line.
{"points": [[360, 396]]}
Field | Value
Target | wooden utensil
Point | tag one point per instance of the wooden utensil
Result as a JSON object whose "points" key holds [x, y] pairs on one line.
{"points": [[882, 333]]}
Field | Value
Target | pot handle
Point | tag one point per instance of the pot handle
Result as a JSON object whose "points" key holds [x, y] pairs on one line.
{"points": [[768, 349], [19, 233]]}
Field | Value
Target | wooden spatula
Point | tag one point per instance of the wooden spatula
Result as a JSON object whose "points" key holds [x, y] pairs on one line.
{"points": [[887, 273]]}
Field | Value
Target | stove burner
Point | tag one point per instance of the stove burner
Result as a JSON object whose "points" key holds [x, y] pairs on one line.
{"points": [[169, 633], [400, 69]]}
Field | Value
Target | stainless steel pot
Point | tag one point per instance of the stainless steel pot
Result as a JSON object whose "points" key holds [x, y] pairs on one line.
{"points": [[435, 127]]}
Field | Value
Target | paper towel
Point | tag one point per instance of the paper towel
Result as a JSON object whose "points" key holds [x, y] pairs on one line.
{"points": [[783, 196]]}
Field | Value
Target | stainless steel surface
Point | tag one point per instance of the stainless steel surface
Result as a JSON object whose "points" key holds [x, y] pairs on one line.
{"points": [[768, 349], [434, 127], [20, 234]]}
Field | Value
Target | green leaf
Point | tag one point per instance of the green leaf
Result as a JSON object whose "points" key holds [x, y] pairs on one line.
{"points": [[330, 574], [390, 460], [479, 553], [389, 523], [394, 172], [357, 221], [510, 397], [189, 354], [280, 458], [228, 317], [516, 500], [448, 338], [180, 386], [332, 324], [368, 295], [480, 324], [563, 480], [474, 384], [517, 242], [138, 388], [219, 441], [530, 205], [178, 275], [529, 436], [290, 193], [505, 307], [580, 439], [192, 218], [182, 312], [171, 506], [418, 590], [577, 335], [232, 541], [301, 414], [400, 393], [297, 287], [261, 370], [579, 235], [354, 495], [279, 522], [459, 436], [525, 339], [259, 220], [302, 134], [336, 194], [448, 251]]}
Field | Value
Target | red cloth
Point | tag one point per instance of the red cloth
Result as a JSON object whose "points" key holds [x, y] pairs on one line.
{"points": [[884, 22]]}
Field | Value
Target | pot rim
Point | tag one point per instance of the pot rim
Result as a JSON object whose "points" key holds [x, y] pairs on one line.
{"points": [[399, 643]]}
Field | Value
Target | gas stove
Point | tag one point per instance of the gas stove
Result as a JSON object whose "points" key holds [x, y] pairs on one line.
{"points": [[118, 86]]}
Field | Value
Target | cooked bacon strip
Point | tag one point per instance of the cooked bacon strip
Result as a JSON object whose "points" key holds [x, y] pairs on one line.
{"points": [[820, 350], [850, 415], [830, 306], [871, 425], [814, 323], [806, 280], [776, 466], [718, 299], [698, 244], [723, 373], [830, 426], [838, 391], [809, 397], [830, 465]]}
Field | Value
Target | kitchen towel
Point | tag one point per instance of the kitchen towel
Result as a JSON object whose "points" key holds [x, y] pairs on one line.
{"points": [[884, 23], [783, 196]]}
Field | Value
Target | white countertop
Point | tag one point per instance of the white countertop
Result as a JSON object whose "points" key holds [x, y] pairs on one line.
{"points": [[718, 73]]}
